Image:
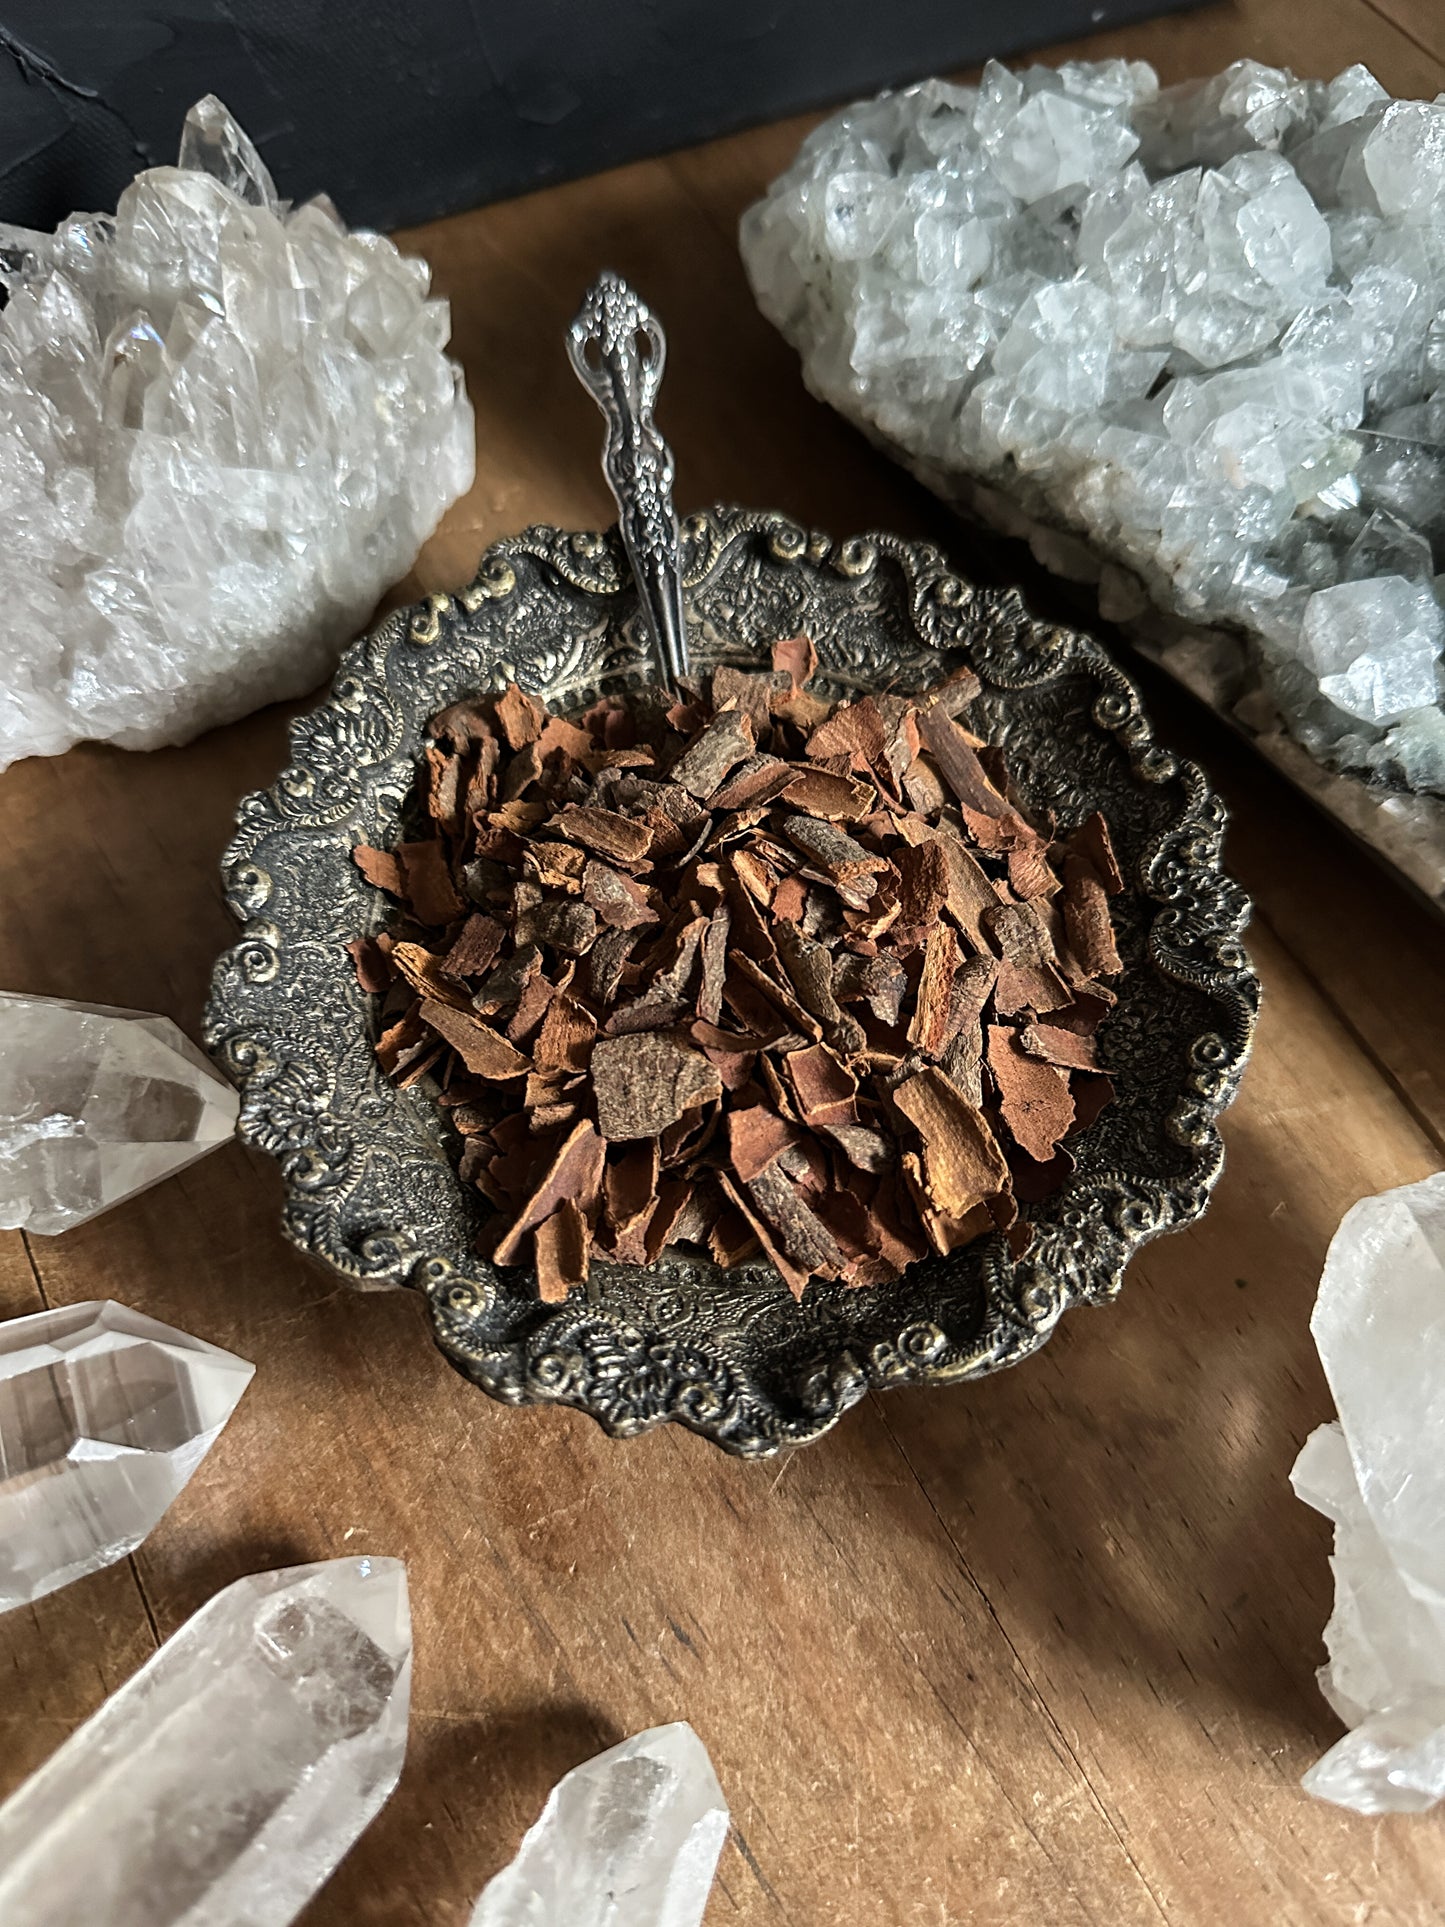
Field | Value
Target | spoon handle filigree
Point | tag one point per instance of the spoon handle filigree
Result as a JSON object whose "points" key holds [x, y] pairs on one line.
{"points": [[618, 349]]}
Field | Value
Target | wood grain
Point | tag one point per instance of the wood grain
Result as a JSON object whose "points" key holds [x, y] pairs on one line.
{"points": [[1038, 1649]]}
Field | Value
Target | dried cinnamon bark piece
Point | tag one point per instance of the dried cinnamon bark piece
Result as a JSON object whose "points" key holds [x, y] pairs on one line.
{"points": [[796, 658], [480, 1048], [381, 868], [574, 1173], [855, 730], [837, 799], [923, 890], [616, 837], [562, 1243], [1092, 843], [1028, 977], [1067, 1049], [930, 1026], [645, 1082], [373, 969], [1033, 1096], [963, 1166], [424, 972], [832, 850], [476, 948], [618, 900], [727, 741], [1087, 919], [520, 716]]}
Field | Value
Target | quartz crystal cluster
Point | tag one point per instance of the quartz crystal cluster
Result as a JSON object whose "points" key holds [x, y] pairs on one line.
{"points": [[630, 1839], [95, 1105], [1200, 328], [226, 427], [104, 1416], [225, 1779], [1379, 1473]]}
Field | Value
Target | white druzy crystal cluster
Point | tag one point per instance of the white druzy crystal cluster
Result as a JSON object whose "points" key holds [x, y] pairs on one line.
{"points": [[226, 427], [1201, 328]]}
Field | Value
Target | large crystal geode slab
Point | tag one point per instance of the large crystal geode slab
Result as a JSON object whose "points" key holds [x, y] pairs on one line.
{"points": [[1199, 329], [226, 427], [104, 1416]]}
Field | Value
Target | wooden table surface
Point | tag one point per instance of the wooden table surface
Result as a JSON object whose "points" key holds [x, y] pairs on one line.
{"points": [[1040, 1649]]}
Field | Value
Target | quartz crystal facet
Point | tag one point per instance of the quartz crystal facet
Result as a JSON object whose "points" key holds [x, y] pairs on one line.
{"points": [[1203, 329], [95, 1105], [104, 1416], [226, 426], [630, 1839], [226, 1779], [1379, 1474]]}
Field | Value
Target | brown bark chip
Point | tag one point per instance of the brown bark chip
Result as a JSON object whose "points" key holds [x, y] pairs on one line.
{"points": [[575, 1173], [381, 868], [962, 1163], [796, 658], [475, 950], [521, 717], [727, 741], [644, 1082], [743, 969], [1087, 920], [1033, 1096], [373, 969], [611, 835], [480, 1048], [429, 887], [562, 1243]]}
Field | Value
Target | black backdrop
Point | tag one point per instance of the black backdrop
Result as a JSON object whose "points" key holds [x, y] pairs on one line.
{"points": [[405, 109]]}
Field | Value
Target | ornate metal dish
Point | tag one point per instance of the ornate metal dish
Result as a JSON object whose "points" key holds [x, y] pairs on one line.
{"points": [[369, 1173]]}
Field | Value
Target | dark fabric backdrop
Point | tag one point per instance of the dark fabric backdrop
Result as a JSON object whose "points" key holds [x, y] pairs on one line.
{"points": [[405, 109]]}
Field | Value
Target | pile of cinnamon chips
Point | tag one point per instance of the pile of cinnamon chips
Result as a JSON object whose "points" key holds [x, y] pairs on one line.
{"points": [[743, 970]]}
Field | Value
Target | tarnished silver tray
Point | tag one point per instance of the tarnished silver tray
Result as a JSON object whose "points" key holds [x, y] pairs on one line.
{"points": [[371, 1189]]}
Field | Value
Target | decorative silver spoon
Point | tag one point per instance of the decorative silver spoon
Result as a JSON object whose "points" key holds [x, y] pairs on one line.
{"points": [[617, 346]]}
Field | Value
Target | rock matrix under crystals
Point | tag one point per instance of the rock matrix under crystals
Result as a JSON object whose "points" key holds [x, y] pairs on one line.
{"points": [[1200, 328], [1379, 1473], [226, 427]]}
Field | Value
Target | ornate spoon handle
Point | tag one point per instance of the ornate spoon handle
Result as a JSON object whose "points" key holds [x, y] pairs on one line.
{"points": [[617, 346]]}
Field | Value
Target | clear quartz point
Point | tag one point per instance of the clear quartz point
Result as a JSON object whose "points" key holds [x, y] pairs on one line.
{"points": [[212, 143], [97, 1104], [223, 1782], [1379, 1474], [104, 1416], [629, 1839]]}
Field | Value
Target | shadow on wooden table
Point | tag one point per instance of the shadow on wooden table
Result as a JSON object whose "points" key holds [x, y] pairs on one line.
{"points": [[471, 1788], [1123, 1501]]}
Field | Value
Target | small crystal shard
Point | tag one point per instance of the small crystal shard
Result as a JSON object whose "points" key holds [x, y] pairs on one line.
{"points": [[1379, 1474], [629, 1839], [226, 1779], [104, 1416], [97, 1104], [1192, 342], [226, 427]]}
